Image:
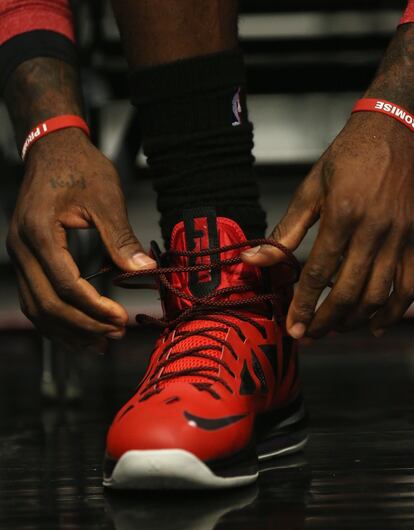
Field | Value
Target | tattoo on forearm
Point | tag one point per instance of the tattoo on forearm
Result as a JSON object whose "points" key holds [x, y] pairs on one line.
{"points": [[68, 182]]}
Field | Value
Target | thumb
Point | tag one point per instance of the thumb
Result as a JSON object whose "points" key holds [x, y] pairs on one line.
{"points": [[120, 241], [302, 213]]}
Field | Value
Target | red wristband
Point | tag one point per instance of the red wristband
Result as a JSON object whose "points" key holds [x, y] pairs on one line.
{"points": [[52, 125], [387, 108]]}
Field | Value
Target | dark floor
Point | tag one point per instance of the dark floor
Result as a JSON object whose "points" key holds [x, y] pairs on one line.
{"points": [[357, 472]]}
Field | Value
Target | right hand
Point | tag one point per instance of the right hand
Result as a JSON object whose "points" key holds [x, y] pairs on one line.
{"points": [[68, 183]]}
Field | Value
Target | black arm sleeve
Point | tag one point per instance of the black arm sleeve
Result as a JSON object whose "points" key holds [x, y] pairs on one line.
{"points": [[37, 43]]}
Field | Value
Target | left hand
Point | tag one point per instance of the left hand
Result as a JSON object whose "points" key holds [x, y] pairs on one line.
{"points": [[362, 191]]}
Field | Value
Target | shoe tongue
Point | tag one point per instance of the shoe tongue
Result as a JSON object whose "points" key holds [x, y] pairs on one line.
{"points": [[201, 229]]}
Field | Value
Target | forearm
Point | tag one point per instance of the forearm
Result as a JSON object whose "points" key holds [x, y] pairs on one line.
{"points": [[39, 89], [38, 62], [395, 78]]}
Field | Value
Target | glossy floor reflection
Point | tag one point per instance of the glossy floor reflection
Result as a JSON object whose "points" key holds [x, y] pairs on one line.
{"points": [[357, 472]]}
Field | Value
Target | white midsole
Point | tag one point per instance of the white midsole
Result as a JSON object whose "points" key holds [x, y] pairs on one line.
{"points": [[168, 469], [177, 469]]}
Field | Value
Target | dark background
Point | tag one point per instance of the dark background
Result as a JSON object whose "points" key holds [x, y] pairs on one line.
{"points": [[307, 62]]}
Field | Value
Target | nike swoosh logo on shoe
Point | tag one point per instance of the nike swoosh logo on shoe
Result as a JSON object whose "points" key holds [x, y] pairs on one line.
{"points": [[213, 424]]}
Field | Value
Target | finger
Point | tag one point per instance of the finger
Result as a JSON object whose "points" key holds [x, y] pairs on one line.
{"points": [[52, 310], [65, 337], [119, 239], [49, 244], [378, 285], [350, 281], [400, 299], [302, 213], [321, 265], [27, 303]]}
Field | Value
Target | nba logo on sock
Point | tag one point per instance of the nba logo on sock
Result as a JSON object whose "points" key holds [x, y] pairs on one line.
{"points": [[236, 107]]}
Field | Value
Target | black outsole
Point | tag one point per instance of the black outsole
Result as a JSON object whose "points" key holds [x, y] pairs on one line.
{"points": [[281, 430]]}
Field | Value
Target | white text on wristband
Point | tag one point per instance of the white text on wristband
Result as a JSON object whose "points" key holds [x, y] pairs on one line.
{"points": [[35, 133], [385, 107], [52, 125]]}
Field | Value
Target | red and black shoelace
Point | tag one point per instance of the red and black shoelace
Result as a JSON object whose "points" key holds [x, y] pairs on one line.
{"points": [[214, 308]]}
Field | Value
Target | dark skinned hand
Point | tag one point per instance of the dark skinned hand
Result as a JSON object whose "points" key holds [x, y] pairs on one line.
{"points": [[362, 190], [68, 183]]}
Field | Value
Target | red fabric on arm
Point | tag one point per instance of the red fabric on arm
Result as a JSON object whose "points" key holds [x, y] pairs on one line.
{"points": [[21, 16], [408, 15]]}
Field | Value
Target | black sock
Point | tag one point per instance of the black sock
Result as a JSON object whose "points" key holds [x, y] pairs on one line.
{"points": [[198, 139]]}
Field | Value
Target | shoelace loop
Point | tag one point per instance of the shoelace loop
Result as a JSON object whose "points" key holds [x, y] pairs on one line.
{"points": [[211, 308]]}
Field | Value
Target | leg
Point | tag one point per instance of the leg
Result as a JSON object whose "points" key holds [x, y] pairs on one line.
{"points": [[222, 386], [187, 81], [156, 32]]}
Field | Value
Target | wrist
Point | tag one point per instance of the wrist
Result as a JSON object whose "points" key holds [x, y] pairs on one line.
{"points": [[395, 77], [51, 126], [40, 89], [389, 90], [374, 132], [55, 144]]}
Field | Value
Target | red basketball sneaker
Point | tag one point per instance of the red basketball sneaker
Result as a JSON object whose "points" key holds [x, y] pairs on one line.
{"points": [[222, 387]]}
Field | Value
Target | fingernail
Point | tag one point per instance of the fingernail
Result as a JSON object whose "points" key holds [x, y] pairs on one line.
{"points": [[297, 330], [116, 335], [142, 260], [252, 251], [378, 332]]}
